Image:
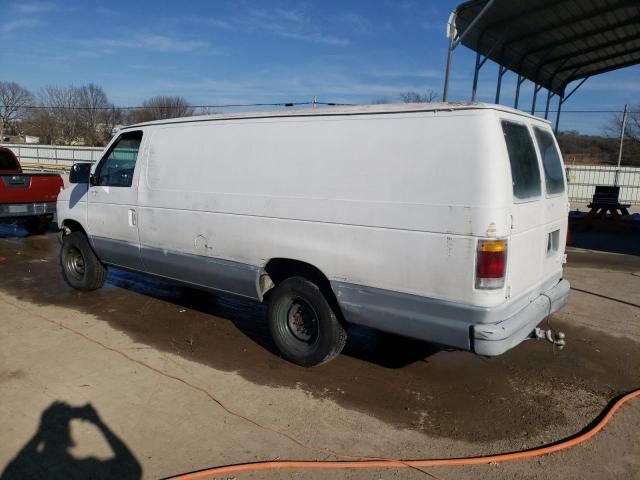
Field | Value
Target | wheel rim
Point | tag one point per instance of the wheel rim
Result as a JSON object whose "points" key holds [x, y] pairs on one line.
{"points": [[302, 321], [74, 263]]}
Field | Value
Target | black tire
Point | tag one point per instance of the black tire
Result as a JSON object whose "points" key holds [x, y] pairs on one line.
{"points": [[303, 325], [80, 266], [37, 225]]}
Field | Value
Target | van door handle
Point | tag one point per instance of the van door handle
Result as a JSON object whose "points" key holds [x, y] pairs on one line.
{"points": [[133, 218]]}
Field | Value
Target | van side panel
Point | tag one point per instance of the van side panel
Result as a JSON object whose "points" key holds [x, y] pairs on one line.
{"points": [[367, 200]]}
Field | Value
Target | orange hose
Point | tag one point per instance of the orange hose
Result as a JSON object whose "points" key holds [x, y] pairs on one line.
{"points": [[417, 464]]}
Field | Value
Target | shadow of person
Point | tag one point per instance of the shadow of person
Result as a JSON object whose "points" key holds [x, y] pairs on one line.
{"points": [[46, 454]]}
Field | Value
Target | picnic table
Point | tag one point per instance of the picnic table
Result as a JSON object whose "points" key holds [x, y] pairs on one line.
{"points": [[606, 200]]}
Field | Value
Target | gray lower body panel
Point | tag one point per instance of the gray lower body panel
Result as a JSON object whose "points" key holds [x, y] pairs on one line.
{"points": [[211, 273], [205, 272], [118, 253], [485, 330], [19, 210]]}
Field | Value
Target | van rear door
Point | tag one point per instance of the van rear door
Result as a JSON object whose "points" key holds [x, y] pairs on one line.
{"points": [[556, 206], [538, 212]]}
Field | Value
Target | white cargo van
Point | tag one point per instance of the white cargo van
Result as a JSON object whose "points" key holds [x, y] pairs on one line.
{"points": [[442, 222]]}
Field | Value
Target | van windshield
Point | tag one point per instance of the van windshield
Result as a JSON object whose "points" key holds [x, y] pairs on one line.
{"points": [[551, 162], [525, 171]]}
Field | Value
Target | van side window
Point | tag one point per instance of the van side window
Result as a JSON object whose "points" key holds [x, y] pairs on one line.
{"points": [[117, 166], [525, 171], [550, 161]]}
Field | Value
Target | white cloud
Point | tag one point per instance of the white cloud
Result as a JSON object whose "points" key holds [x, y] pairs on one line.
{"points": [[357, 22], [284, 84], [30, 8], [627, 86], [291, 24], [406, 73], [20, 24], [211, 22], [294, 24], [155, 42]]}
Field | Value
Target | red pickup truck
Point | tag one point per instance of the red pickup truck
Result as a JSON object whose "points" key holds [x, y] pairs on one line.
{"points": [[28, 199]]}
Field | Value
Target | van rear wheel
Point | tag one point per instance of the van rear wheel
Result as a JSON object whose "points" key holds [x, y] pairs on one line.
{"points": [[80, 266], [303, 325]]}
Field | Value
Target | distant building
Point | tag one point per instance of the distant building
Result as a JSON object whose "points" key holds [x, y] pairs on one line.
{"points": [[21, 139]]}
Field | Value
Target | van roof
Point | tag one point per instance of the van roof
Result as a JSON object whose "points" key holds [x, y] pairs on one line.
{"points": [[346, 110]]}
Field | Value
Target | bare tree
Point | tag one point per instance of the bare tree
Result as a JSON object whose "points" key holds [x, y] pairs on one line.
{"points": [[62, 104], [13, 100], [41, 123], [158, 108], [112, 119], [415, 97], [93, 109], [631, 151]]}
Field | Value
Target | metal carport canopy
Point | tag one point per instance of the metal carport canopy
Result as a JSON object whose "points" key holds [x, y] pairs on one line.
{"points": [[552, 42]]}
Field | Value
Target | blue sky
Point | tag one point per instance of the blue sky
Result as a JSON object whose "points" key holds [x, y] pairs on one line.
{"points": [[245, 51]]}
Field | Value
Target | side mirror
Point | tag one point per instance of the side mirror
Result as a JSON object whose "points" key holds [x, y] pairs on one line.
{"points": [[80, 173]]}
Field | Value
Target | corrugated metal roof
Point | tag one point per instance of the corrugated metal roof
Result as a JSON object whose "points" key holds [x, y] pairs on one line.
{"points": [[553, 42]]}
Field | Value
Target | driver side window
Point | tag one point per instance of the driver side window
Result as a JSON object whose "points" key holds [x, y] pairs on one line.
{"points": [[116, 168]]}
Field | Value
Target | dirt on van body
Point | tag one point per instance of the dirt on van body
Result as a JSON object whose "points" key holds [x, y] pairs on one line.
{"points": [[385, 396]]}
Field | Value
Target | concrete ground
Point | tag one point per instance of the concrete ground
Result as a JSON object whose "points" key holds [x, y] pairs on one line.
{"points": [[145, 379]]}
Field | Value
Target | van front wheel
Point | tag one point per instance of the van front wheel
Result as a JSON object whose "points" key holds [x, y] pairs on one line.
{"points": [[303, 325], [81, 268]]}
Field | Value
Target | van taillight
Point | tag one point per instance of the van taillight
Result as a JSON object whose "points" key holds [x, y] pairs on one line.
{"points": [[491, 263]]}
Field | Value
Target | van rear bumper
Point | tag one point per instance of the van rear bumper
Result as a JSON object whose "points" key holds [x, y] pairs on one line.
{"points": [[496, 338], [487, 331]]}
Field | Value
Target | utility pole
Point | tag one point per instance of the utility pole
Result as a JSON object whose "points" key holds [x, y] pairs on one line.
{"points": [[622, 130]]}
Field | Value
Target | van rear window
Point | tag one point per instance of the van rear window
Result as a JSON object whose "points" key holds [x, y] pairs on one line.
{"points": [[6, 161], [551, 162], [525, 171]]}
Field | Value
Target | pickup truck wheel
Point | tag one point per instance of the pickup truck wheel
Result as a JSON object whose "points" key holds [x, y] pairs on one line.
{"points": [[81, 268], [37, 225], [303, 325]]}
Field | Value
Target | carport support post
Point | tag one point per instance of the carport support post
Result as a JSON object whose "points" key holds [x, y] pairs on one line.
{"points": [[546, 110], [560, 102], [474, 89], [502, 70], [451, 33], [563, 98], [476, 74], [520, 80], [454, 41], [536, 89]]}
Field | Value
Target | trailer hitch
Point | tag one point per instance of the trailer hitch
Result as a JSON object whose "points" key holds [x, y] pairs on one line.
{"points": [[552, 336]]}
